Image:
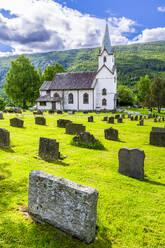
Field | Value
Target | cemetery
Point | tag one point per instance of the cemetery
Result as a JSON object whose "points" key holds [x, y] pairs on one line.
{"points": [[90, 198]]}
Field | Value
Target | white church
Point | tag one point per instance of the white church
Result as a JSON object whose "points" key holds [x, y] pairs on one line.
{"points": [[83, 91]]}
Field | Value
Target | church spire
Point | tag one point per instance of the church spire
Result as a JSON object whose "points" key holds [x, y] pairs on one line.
{"points": [[106, 41]]}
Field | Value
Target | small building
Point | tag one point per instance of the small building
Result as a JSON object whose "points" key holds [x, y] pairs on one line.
{"points": [[80, 91]]}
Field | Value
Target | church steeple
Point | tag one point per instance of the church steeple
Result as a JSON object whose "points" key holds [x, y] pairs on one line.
{"points": [[106, 45]]}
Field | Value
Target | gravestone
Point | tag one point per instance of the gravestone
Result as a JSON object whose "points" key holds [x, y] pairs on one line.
{"points": [[90, 118], [74, 128], [155, 120], [141, 123], [38, 112], [141, 117], [120, 120], [51, 111], [16, 122], [157, 136], [105, 118], [49, 149], [154, 115], [111, 134], [85, 112], [145, 117], [132, 118], [129, 115], [69, 206], [111, 120], [62, 123], [159, 119], [163, 118], [1, 116], [117, 116], [123, 116], [131, 162], [40, 120], [4, 137], [59, 112], [136, 118], [86, 138]]}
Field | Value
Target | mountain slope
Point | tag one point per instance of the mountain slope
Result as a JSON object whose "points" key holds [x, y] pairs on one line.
{"points": [[132, 61]]}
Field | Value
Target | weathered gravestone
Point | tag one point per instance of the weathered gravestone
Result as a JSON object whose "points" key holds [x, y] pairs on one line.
{"points": [[141, 117], [111, 120], [64, 204], [86, 138], [157, 136], [120, 120], [131, 162], [129, 115], [117, 116], [90, 118], [4, 137], [1, 116], [49, 149], [105, 118], [74, 128], [163, 118], [155, 120], [159, 119], [141, 123], [38, 112], [111, 134], [62, 123], [16, 122], [123, 116], [132, 118], [40, 120], [136, 117]]}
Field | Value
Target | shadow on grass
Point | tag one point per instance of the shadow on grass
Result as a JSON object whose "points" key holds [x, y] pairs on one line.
{"points": [[153, 182], [58, 162], [7, 149]]}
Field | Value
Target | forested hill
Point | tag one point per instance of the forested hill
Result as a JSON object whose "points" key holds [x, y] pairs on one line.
{"points": [[132, 61]]}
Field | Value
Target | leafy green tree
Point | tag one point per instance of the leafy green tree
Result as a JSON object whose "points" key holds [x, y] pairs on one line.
{"points": [[157, 96], [22, 82], [126, 96], [51, 70], [2, 103], [143, 88]]}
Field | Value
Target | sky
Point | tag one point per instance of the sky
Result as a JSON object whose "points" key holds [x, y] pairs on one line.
{"points": [[32, 26]]}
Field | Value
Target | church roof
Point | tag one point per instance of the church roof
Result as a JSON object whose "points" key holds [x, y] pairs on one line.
{"points": [[73, 81], [45, 85], [106, 41]]}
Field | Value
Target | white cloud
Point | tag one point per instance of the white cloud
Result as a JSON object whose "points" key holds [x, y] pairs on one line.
{"points": [[45, 25], [161, 8], [149, 35]]}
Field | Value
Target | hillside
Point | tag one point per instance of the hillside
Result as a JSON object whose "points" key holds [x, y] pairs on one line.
{"points": [[132, 61]]}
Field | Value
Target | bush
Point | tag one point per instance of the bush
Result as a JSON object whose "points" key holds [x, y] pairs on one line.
{"points": [[97, 146]]}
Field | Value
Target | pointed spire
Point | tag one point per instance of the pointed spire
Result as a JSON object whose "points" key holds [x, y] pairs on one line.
{"points": [[106, 41]]}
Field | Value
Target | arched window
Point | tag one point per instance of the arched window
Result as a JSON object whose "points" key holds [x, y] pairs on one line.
{"points": [[85, 98], [56, 95], [105, 59], [70, 98], [104, 102], [104, 92]]}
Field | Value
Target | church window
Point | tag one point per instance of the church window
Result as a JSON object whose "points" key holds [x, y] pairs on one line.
{"points": [[105, 59], [56, 95], [85, 98], [70, 98], [104, 102], [42, 103], [104, 92]]}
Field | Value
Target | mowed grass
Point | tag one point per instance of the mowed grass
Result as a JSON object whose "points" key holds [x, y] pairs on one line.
{"points": [[131, 213]]}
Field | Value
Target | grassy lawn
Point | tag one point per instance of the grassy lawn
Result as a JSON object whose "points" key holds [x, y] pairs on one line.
{"points": [[131, 213]]}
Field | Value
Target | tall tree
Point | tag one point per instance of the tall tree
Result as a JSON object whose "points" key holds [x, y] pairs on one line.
{"points": [[22, 82], [51, 70], [143, 88], [126, 96], [157, 95]]}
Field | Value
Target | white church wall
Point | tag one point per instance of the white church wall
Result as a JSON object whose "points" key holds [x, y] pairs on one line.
{"points": [[59, 92], [109, 60], [88, 106], [74, 105], [42, 92], [47, 107]]}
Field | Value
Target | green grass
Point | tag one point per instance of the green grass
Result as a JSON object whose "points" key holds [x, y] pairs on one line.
{"points": [[130, 211]]}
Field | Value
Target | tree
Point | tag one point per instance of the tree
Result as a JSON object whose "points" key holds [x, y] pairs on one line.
{"points": [[2, 103], [22, 82], [143, 88], [51, 71], [125, 96], [157, 95]]}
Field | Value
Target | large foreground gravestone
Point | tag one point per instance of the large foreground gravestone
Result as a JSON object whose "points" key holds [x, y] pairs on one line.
{"points": [[62, 123], [74, 128], [111, 134], [49, 149], [64, 204], [4, 137], [16, 122], [131, 162], [157, 137], [40, 120]]}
